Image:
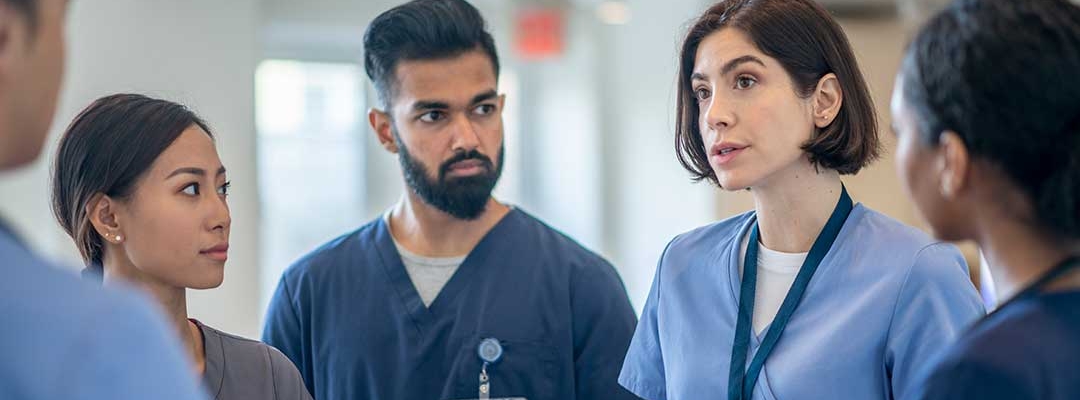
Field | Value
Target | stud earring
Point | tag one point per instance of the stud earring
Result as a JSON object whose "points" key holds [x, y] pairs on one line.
{"points": [[946, 189]]}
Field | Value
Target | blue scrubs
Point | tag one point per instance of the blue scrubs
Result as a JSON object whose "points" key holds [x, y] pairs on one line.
{"points": [[64, 338], [351, 320], [885, 301], [1027, 350]]}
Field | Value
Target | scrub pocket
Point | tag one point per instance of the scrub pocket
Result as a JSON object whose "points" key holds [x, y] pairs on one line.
{"points": [[526, 370]]}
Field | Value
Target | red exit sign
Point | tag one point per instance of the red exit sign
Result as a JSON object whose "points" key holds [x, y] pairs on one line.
{"points": [[539, 33]]}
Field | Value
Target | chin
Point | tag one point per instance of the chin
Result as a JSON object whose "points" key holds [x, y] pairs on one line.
{"points": [[732, 182], [208, 280], [210, 284]]}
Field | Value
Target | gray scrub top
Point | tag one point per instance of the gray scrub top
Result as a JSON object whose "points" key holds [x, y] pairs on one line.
{"points": [[242, 369]]}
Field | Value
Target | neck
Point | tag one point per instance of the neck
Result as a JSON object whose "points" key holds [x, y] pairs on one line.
{"points": [[1018, 254], [428, 231], [793, 206], [172, 301]]}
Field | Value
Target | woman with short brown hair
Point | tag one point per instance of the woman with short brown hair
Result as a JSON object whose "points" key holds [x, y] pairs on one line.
{"points": [[838, 301]]}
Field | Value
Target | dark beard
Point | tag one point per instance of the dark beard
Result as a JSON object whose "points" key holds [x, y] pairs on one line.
{"points": [[463, 198]]}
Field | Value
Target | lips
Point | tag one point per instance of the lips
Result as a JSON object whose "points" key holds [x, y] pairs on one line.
{"points": [[218, 253], [725, 152], [467, 164], [466, 168]]}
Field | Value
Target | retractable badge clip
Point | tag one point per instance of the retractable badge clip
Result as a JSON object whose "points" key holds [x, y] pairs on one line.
{"points": [[490, 351]]}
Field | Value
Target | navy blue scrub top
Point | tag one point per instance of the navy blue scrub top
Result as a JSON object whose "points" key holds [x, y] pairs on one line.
{"points": [[1029, 349], [351, 320]]}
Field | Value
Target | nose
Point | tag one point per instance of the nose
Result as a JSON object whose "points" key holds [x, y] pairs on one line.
{"points": [[220, 218], [718, 114], [466, 138]]}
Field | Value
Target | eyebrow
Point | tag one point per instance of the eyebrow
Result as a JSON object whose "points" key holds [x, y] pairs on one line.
{"points": [[731, 65], [194, 171], [425, 105], [482, 97]]}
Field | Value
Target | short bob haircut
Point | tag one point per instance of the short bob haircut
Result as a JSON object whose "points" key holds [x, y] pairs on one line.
{"points": [[809, 44]]}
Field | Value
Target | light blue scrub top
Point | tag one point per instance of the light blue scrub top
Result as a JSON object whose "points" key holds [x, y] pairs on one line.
{"points": [[882, 306], [64, 338]]}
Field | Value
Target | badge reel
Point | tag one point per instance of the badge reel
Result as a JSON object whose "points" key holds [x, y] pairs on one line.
{"points": [[490, 351]]}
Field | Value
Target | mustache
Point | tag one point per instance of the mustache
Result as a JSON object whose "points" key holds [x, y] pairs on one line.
{"points": [[465, 156]]}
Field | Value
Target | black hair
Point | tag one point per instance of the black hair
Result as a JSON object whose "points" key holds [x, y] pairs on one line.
{"points": [[1002, 74], [422, 30], [107, 148]]}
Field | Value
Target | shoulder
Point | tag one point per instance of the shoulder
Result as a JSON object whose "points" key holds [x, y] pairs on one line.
{"points": [[880, 242], [246, 349], [248, 352], [869, 225], [328, 257], [56, 318], [711, 235], [708, 244], [538, 233], [554, 243], [1030, 327], [39, 296], [587, 274], [980, 366], [234, 344], [1040, 331]]}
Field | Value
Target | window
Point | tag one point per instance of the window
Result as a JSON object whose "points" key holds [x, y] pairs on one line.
{"points": [[310, 123]]}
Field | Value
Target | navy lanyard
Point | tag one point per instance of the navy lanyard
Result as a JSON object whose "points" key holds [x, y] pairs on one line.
{"points": [[741, 381]]}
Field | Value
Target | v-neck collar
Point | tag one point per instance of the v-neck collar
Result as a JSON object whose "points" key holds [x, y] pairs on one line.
{"points": [[735, 257], [214, 353], [406, 291]]}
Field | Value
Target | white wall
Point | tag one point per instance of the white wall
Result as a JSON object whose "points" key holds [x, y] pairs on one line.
{"points": [[198, 52], [561, 159], [650, 198]]}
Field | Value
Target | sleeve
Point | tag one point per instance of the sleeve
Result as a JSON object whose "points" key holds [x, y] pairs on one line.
{"points": [[284, 331], [288, 385], [603, 322], [643, 369], [974, 380], [127, 353], [935, 304]]}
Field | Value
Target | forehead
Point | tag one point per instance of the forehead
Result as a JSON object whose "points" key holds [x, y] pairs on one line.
{"points": [[724, 45], [452, 79], [193, 148]]}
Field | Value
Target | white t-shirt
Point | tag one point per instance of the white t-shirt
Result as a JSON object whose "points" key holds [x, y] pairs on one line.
{"points": [[428, 274], [776, 272]]}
